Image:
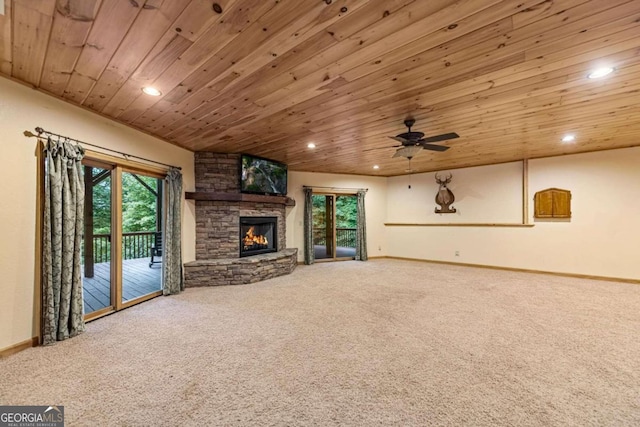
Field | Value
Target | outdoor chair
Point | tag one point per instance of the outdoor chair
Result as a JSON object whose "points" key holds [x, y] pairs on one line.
{"points": [[156, 249]]}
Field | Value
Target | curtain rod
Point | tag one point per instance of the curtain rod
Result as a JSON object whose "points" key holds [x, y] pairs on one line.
{"points": [[334, 188], [41, 131]]}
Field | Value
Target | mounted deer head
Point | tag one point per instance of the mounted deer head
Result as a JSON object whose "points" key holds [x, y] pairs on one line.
{"points": [[444, 197]]}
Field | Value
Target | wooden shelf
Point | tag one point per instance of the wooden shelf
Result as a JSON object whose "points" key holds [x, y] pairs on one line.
{"points": [[239, 197], [449, 224]]}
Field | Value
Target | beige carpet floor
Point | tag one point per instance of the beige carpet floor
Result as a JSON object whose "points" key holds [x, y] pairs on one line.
{"points": [[385, 342]]}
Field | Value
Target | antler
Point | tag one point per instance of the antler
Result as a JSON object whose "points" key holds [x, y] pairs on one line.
{"points": [[445, 181]]}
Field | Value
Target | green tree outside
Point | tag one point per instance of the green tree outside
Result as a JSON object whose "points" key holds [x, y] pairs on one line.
{"points": [[138, 204], [101, 205], [346, 212]]}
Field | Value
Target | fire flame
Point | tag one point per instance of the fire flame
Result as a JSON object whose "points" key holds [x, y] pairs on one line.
{"points": [[251, 239]]}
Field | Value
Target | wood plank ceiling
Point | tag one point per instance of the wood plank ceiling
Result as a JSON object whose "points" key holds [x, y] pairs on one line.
{"points": [[267, 77]]}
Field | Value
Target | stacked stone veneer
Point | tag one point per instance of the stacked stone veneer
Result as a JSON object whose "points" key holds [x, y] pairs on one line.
{"points": [[217, 173], [218, 226], [218, 259], [216, 272]]}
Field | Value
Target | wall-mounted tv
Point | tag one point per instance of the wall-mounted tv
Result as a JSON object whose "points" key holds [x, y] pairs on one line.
{"points": [[262, 176]]}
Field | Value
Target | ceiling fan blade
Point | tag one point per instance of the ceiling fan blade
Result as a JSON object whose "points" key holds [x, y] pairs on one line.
{"points": [[438, 138], [433, 147], [399, 139]]}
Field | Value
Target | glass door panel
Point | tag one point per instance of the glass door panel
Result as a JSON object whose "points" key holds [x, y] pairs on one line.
{"points": [[96, 245], [142, 215], [346, 221], [323, 226]]}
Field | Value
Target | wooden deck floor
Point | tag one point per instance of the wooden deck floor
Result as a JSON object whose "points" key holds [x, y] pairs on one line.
{"points": [[320, 252], [138, 279]]}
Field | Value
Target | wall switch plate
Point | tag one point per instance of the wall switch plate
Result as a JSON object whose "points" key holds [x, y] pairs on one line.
{"points": [[457, 253]]}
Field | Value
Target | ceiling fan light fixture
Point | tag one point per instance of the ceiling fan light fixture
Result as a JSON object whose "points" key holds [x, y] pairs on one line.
{"points": [[600, 72], [376, 167], [311, 145], [408, 152], [152, 91], [568, 138]]}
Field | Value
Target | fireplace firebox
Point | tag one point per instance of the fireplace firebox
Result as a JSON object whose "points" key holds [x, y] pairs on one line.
{"points": [[258, 235]]}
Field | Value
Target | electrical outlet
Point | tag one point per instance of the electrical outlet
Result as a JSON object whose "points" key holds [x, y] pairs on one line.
{"points": [[379, 248], [457, 253]]}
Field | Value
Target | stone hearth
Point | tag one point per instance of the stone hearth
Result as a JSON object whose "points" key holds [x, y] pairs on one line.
{"points": [[218, 259], [215, 272]]}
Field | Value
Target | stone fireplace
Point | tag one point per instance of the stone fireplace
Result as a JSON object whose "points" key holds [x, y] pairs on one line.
{"points": [[224, 218], [258, 235]]}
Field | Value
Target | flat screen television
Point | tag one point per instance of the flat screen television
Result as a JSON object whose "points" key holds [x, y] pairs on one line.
{"points": [[262, 176]]}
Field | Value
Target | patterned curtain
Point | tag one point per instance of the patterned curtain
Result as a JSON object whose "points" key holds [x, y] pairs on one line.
{"points": [[309, 257], [361, 231], [62, 310], [172, 277]]}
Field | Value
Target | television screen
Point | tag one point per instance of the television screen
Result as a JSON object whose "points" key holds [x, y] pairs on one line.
{"points": [[262, 176]]}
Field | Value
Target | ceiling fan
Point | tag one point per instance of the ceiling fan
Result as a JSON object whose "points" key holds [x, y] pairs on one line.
{"points": [[413, 142]]}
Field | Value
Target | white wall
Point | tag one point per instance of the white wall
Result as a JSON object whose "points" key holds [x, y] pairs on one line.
{"points": [[601, 239], [487, 194], [23, 109], [375, 207]]}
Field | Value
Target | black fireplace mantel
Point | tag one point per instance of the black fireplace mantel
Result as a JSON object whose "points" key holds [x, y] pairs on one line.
{"points": [[239, 197]]}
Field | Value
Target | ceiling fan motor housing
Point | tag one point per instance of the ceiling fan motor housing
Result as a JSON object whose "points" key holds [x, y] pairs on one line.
{"points": [[411, 137]]}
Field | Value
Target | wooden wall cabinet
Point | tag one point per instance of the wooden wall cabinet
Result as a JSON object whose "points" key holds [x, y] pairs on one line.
{"points": [[552, 203]]}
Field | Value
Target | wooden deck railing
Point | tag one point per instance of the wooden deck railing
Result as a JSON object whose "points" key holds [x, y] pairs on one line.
{"points": [[135, 245], [101, 248], [345, 237]]}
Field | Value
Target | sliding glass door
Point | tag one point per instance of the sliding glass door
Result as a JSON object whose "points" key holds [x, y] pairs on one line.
{"points": [[323, 226], [96, 251], [123, 235], [141, 235], [346, 221], [334, 226]]}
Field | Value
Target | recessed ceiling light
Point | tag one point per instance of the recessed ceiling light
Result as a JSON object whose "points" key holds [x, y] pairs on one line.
{"points": [[311, 145], [151, 91], [376, 167], [569, 138], [600, 72]]}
